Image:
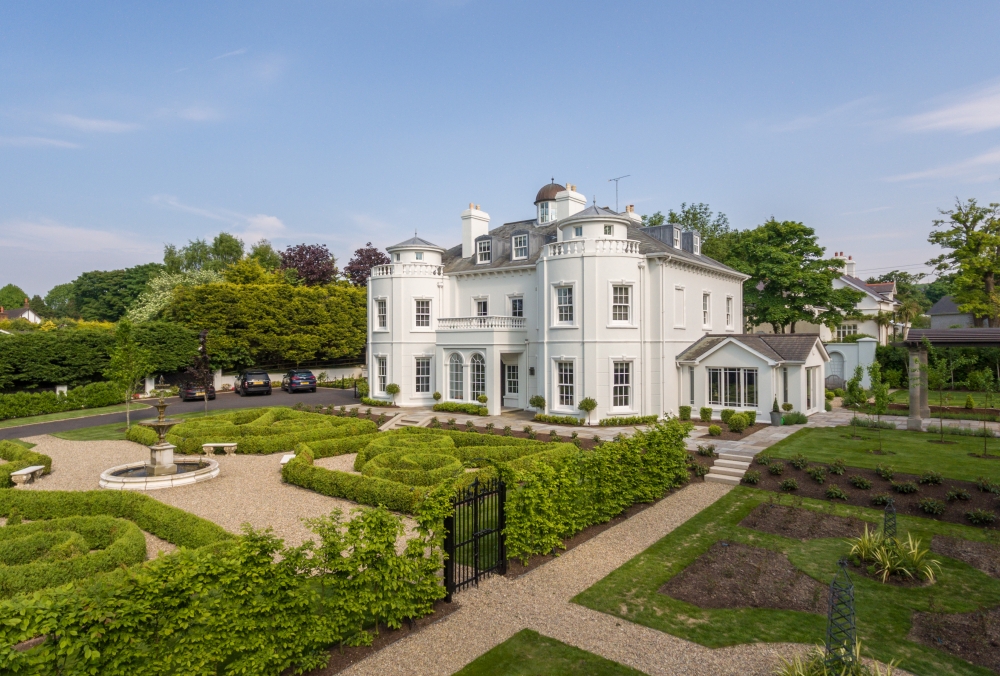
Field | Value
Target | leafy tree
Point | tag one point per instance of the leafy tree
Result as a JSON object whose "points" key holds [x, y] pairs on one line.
{"points": [[200, 370], [129, 364], [940, 370], [12, 296], [790, 281], [264, 253], [854, 393], [656, 219], [983, 381], [39, 307], [313, 263], [971, 234], [198, 254], [718, 239], [359, 268], [106, 295], [943, 286], [274, 323], [60, 301], [160, 290], [907, 286]]}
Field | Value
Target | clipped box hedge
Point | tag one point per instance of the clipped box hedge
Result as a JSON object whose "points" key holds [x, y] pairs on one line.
{"points": [[18, 457], [455, 407], [628, 421], [24, 404]]}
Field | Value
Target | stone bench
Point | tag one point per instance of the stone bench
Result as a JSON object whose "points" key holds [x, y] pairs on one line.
{"points": [[26, 475], [228, 446]]}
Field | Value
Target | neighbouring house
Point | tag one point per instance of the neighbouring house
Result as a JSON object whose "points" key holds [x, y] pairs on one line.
{"points": [[24, 312], [945, 314], [878, 300], [845, 358], [574, 302]]}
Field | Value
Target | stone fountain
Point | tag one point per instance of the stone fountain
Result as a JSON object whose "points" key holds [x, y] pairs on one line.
{"points": [[162, 471]]}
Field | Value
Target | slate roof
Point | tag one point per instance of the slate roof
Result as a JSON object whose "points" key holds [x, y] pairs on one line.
{"points": [[875, 290], [414, 241], [648, 245], [945, 306], [984, 337], [779, 347]]}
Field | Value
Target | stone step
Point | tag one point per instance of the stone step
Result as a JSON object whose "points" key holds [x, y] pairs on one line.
{"points": [[722, 479], [729, 471], [734, 464], [738, 457]]}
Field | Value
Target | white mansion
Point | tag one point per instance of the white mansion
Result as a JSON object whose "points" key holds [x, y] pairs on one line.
{"points": [[577, 302]]}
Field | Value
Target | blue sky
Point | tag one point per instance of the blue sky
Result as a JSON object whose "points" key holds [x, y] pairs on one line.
{"points": [[124, 126]]}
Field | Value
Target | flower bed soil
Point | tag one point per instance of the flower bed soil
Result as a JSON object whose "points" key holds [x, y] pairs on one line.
{"points": [[981, 555], [975, 637], [905, 504], [734, 575], [726, 434], [801, 524]]}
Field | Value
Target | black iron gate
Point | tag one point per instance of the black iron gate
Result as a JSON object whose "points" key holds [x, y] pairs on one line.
{"points": [[475, 542]]}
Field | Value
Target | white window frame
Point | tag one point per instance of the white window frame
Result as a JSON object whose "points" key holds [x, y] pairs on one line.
{"points": [[382, 374], [514, 247], [620, 389], [740, 376], [507, 368], [477, 376], [730, 312], [557, 319], [845, 330], [476, 300], [544, 212], [453, 380], [680, 310], [677, 238], [395, 257], [609, 230], [578, 231], [706, 309], [419, 256], [422, 379], [484, 251], [630, 319], [417, 326], [557, 383], [697, 244], [381, 314], [514, 300]]}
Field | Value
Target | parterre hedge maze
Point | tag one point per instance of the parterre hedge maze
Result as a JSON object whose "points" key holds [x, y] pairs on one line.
{"points": [[18, 457], [398, 468], [258, 430], [55, 537]]}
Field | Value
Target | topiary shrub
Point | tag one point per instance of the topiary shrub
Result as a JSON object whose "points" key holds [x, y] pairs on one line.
{"points": [[737, 423], [830, 395], [684, 412], [714, 430], [537, 401], [751, 418], [969, 403], [705, 414], [787, 406], [726, 414]]}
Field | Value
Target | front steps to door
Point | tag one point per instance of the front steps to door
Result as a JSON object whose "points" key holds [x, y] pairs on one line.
{"points": [[729, 468]]}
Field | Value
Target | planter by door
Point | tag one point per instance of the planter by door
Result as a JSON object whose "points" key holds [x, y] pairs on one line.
{"points": [[776, 418]]}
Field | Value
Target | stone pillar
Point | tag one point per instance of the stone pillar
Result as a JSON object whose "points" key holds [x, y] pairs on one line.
{"points": [[919, 408], [494, 374]]}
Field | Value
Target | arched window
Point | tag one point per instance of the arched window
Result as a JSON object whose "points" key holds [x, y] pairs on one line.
{"points": [[478, 376], [455, 386]]}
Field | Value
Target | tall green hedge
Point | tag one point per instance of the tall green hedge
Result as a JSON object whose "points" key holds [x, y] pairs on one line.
{"points": [[23, 404], [17, 458], [79, 356]]}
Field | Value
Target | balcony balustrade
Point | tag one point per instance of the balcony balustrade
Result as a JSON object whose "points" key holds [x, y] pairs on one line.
{"points": [[601, 247], [474, 323], [408, 270]]}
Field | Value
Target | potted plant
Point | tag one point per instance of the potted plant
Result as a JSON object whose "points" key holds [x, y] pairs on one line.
{"points": [[775, 414], [587, 406], [392, 389]]}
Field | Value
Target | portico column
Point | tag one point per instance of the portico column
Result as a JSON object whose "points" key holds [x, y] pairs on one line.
{"points": [[919, 408], [494, 372]]}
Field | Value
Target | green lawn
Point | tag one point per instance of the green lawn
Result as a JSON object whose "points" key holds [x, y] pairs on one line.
{"points": [[528, 653], [116, 431], [883, 612], [913, 451], [68, 415], [951, 398]]}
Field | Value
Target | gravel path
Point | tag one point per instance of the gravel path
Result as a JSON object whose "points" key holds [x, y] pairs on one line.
{"points": [[540, 600], [248, 489], [344, 463]]}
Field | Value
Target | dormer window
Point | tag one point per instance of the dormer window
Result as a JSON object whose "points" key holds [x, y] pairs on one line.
{"points": [[519, 246], [697, 244], [677, 238], [578, 231], [546, 212], [419, 255], [484, 252]]}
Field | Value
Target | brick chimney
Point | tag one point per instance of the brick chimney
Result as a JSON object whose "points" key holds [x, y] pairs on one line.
{"points": [[25, 302]]}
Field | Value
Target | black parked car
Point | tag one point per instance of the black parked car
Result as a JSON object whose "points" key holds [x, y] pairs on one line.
{"points": [[192, 392], [299, 379], [253, 382]]}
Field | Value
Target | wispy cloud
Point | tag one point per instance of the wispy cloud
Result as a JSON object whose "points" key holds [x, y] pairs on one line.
{"points": [[973, 112], [250, 227], [227, 55], [36, 142], [94, 125], [971, 168], [52, 236], [824, 117]]}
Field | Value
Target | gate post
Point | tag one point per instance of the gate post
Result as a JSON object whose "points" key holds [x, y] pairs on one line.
{"points": [[449, 555], [502, 525]]}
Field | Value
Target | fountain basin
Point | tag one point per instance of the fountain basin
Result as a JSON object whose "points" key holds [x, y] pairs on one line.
{"points": [[138, 476]]}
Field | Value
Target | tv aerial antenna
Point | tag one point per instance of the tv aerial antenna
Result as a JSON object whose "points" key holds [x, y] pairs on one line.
{"points": [[616, 187]]}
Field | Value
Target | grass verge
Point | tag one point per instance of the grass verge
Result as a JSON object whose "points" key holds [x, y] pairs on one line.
{"points": [[907, 452], [116, 431], [883, 611], [528, 653], [68, 415]]}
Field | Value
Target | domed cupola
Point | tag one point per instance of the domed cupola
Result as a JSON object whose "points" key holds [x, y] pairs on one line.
{"points": [[545, 202]]}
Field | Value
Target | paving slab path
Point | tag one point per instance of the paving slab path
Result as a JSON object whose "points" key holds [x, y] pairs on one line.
{"points": [[540, 600]]}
